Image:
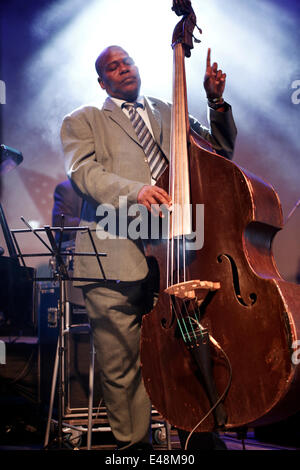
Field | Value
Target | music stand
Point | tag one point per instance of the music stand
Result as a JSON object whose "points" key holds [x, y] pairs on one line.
{"points": [[60, 276]]}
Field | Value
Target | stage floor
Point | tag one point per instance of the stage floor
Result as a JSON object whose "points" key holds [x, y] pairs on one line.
{"points": [[34, 441]]}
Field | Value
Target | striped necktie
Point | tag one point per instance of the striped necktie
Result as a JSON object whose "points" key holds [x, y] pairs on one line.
{"points": [[156, 159]]}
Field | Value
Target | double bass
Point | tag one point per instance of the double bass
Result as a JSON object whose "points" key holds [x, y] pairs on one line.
{"points": [[217, 350]]}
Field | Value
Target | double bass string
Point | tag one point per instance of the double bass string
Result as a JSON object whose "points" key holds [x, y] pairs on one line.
{"points": [[176, 255], [180, 320]]}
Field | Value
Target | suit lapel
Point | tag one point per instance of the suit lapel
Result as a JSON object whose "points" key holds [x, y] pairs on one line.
{"points": [[161, 132], [155, 120], [117, 115]]}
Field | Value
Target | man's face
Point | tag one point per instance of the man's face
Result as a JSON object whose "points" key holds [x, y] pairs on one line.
{"points": [[119, 75]]}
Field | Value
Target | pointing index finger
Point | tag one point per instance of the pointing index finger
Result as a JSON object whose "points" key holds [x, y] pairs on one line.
{"points": [[208, 58]]}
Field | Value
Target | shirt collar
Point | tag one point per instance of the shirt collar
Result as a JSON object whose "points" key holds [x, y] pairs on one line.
{"points": [[119, 102]]}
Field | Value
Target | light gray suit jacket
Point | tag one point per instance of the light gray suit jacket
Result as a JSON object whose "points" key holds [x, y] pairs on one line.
{"points": [[104, 160]]}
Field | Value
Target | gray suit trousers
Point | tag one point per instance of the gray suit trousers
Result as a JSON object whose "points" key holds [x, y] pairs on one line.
{"points": [[115, 311]]}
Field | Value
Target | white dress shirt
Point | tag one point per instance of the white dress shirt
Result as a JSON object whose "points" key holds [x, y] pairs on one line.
{"points": [[142, 111]]}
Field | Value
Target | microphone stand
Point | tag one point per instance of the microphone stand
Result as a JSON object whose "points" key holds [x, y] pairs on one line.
{"points": [[292, 211], [60, 275]]}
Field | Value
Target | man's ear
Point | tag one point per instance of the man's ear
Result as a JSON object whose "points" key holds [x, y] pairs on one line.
{"points": [[100, 81]]}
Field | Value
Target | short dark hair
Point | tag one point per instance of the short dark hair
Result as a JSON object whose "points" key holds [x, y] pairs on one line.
{"points": [[98, 65]]}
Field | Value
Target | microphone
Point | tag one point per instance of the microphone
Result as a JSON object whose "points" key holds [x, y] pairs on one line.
{"points": [[9, 159]]}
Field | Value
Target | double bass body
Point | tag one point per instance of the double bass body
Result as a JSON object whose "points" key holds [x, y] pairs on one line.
{"points": [[254, 315]]}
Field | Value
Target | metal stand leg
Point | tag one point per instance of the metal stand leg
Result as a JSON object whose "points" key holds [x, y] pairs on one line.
{"points": [[52, 396], [91, 393], [168, 431]]}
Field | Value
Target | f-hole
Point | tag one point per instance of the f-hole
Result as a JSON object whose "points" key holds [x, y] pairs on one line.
{"points": [[236, 282]]}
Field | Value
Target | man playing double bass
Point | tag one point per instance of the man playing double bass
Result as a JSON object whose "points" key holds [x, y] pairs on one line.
{"points": [[108, 162]]}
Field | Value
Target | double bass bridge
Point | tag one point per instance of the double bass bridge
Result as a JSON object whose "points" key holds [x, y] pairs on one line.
{"points": [[192, 290]]}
